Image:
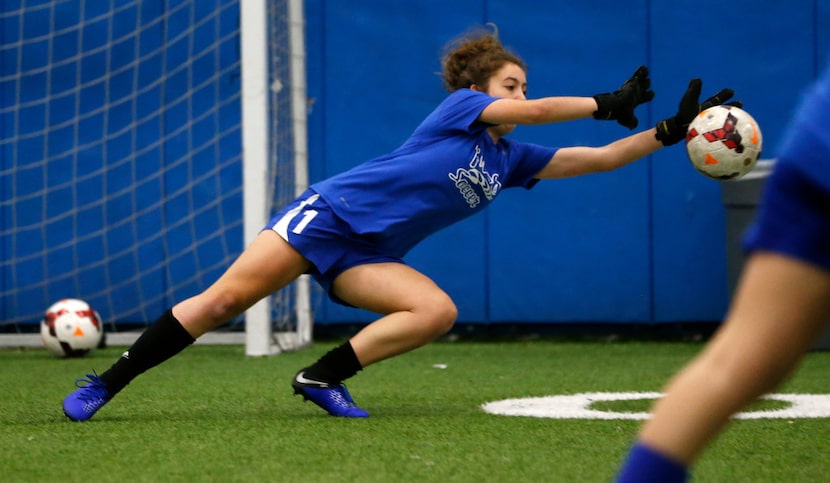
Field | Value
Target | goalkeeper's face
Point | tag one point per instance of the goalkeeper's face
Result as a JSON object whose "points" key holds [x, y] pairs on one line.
{"points": [[509, 82]]}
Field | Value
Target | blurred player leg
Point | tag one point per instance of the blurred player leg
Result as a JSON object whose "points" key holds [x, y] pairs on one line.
{"points": [[780, 309]]}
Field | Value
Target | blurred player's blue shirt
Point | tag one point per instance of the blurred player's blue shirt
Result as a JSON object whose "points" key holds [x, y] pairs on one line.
{"points": [[807, 142], [448, 170], [794, 215]]}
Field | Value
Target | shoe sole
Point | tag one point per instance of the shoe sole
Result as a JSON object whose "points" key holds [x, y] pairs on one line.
{"points": [[76, 420], [306, 398]]}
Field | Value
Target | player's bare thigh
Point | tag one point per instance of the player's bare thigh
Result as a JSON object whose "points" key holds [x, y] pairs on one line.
{"points": [[267, 265], [781, 307], [415, 310], [385, 288]]}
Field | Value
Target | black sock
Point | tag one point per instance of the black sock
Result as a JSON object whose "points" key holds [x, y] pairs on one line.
{"points": [[335, 366], [161, 341]]}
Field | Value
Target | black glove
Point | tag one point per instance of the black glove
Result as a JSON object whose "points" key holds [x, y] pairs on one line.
{"points": [[673, 130], [620, 104]]}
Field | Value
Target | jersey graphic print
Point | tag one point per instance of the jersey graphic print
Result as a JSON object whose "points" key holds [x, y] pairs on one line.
{"points": [[467, 179]]}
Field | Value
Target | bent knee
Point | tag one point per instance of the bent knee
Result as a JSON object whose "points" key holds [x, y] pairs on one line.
{"points": [[441, 314], [219, 308]]}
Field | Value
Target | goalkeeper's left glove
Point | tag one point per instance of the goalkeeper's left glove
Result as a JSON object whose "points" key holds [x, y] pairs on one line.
{"points": [[619, 105], [673, 130]]}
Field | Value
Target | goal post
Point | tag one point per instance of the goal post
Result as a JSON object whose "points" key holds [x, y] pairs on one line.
{"points": [[274, 102], [253, 33], [142, 147]]}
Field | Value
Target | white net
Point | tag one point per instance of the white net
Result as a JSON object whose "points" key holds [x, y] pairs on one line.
{"points": [[120, 143]]}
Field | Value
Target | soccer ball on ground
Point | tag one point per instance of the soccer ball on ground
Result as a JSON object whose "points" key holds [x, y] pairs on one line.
{"points": [[724, 142], [71, 328]]}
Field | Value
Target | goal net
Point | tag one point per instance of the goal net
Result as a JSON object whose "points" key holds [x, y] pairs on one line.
{"points": [[123, 125]]}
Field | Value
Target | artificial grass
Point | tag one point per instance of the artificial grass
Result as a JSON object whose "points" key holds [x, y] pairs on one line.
{"points": [[212, 414]]}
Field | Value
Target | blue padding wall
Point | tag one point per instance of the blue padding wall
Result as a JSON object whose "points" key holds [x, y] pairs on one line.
{"points": [[645, 243], [766, 55], [642, 244]]}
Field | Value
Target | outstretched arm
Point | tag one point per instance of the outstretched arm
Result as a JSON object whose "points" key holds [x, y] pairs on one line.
{"points": [[578, 160], [538, 111], [618, 105], [575, 161]]}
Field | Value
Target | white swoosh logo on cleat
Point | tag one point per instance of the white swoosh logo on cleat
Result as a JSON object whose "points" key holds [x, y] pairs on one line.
{"points": [[303, 380]]}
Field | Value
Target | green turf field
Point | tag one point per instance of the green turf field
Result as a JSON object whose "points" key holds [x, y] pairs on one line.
{"points": [[212, 414]]}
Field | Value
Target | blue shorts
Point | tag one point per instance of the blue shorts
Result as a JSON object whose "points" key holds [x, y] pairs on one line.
{"points": [[794, 218], [310, 226]]}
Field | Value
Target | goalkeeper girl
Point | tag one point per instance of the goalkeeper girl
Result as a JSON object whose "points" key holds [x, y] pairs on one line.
{"points": [[351, 231], [780, 308]]}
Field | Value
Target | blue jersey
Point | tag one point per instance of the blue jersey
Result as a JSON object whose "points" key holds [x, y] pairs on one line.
{"points": [[807, 143], [794, 216], [447, 170]]}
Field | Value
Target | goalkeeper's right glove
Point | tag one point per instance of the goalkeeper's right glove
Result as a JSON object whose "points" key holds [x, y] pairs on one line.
{"points": [[620, 104], [673, 130]]}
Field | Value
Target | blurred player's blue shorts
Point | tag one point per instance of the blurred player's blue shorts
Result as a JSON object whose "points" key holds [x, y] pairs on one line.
{"points": [[794, 218], [310, 226]]}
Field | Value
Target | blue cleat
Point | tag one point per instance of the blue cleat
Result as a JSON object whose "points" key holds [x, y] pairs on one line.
{"points": [[335, 399], [84, 402]]}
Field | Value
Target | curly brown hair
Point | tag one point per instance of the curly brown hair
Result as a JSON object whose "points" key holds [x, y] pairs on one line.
{"points": [[474, 57]]}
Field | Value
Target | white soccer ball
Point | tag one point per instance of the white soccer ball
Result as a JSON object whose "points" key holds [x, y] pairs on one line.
{"points": [[724, 142], [71, 328]]}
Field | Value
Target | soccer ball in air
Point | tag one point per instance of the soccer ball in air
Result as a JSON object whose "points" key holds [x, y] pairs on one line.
{"points": [[71, 328], [724, 142]]}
